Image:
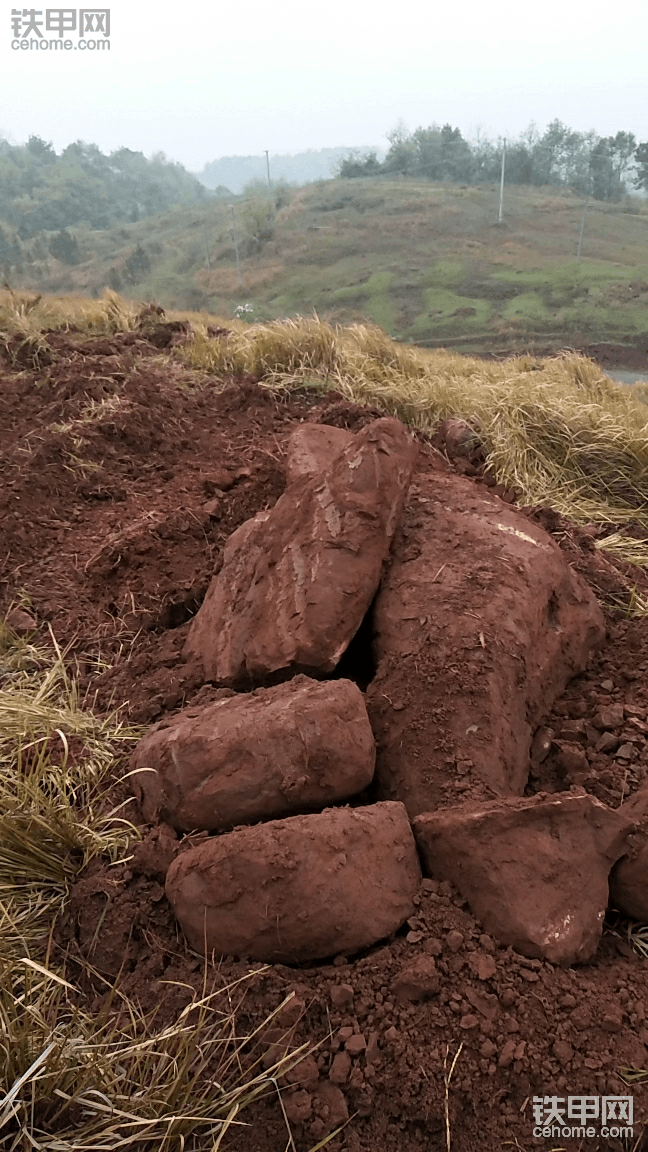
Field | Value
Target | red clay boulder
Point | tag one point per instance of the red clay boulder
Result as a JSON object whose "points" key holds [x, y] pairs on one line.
{"points": [[312, 449], [479, 624], [296, 581], [298, 747], [299, 889], [534, 871]]}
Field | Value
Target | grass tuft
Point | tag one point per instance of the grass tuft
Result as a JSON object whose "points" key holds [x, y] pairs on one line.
{"points": [[118, 1079], [29, 316], [55, 760]]}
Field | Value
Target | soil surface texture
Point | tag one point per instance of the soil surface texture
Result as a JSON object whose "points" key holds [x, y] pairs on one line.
{"points": [[123, 476]]}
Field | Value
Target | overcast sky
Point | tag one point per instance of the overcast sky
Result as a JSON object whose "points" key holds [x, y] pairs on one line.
{"points": [[204, 80]]}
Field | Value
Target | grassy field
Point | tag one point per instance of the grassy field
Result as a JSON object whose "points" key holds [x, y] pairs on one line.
{"points": [[427, 263]]}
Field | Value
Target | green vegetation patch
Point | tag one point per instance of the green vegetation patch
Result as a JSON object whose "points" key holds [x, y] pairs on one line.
{"points": [[449, 312], [445, 273], [529, 306], [379, 305]]}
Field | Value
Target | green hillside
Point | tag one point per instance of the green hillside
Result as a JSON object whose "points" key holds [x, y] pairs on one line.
{"points": [[427, 262]]}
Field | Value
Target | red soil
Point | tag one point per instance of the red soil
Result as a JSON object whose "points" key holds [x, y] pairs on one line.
{"points": [[112, 521]]}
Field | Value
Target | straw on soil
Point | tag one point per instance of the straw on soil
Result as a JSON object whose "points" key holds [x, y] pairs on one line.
{"points": [[52, 804], [557, 430]]}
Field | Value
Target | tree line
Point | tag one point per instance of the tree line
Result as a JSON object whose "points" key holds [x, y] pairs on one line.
{"points": [[604, 167], [42, 191]]}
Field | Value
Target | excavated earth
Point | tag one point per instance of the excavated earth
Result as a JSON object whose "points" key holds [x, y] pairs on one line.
{"points": [[123, 477]]}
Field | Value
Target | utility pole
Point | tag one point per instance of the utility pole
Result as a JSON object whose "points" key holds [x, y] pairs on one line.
{"points": [[235, 242], [206, 247], [501, 206], [585, 205], [272, 203], [582, 229]]}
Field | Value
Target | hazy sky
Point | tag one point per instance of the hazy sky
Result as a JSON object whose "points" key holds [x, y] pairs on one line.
{"points": [[204, 80]]}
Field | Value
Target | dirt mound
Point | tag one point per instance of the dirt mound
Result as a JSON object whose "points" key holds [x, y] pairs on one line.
{"points": [[123, 477]]}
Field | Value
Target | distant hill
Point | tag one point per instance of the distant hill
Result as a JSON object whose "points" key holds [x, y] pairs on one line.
{"points": [[233, 172], [428, 262]]}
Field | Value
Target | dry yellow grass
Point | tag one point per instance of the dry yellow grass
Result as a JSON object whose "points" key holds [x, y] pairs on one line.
{"points": [[29, 314], [557, 430]]}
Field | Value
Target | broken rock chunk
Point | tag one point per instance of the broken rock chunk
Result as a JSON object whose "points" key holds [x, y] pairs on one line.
{"points": [[611, 716], [534, 871], [296, 581], [478, 624], [629, 878], [312, 449], [299, 889], [297, 747], [418, 980]]}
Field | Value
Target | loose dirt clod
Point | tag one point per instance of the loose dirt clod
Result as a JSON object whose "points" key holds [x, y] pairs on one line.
{"points": [[297, 747], [299, 889]]}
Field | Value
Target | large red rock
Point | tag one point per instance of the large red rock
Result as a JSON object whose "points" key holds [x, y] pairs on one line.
{"points": [[297, 747], [534, 871], [479, 624], [296, 581], [312, 449], [299, 889]]}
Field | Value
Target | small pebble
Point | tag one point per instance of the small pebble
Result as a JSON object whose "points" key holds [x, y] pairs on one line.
{"points": [[507, 1055], [340, 1068], [341, 994], [455, 940], [355, 1044]]}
